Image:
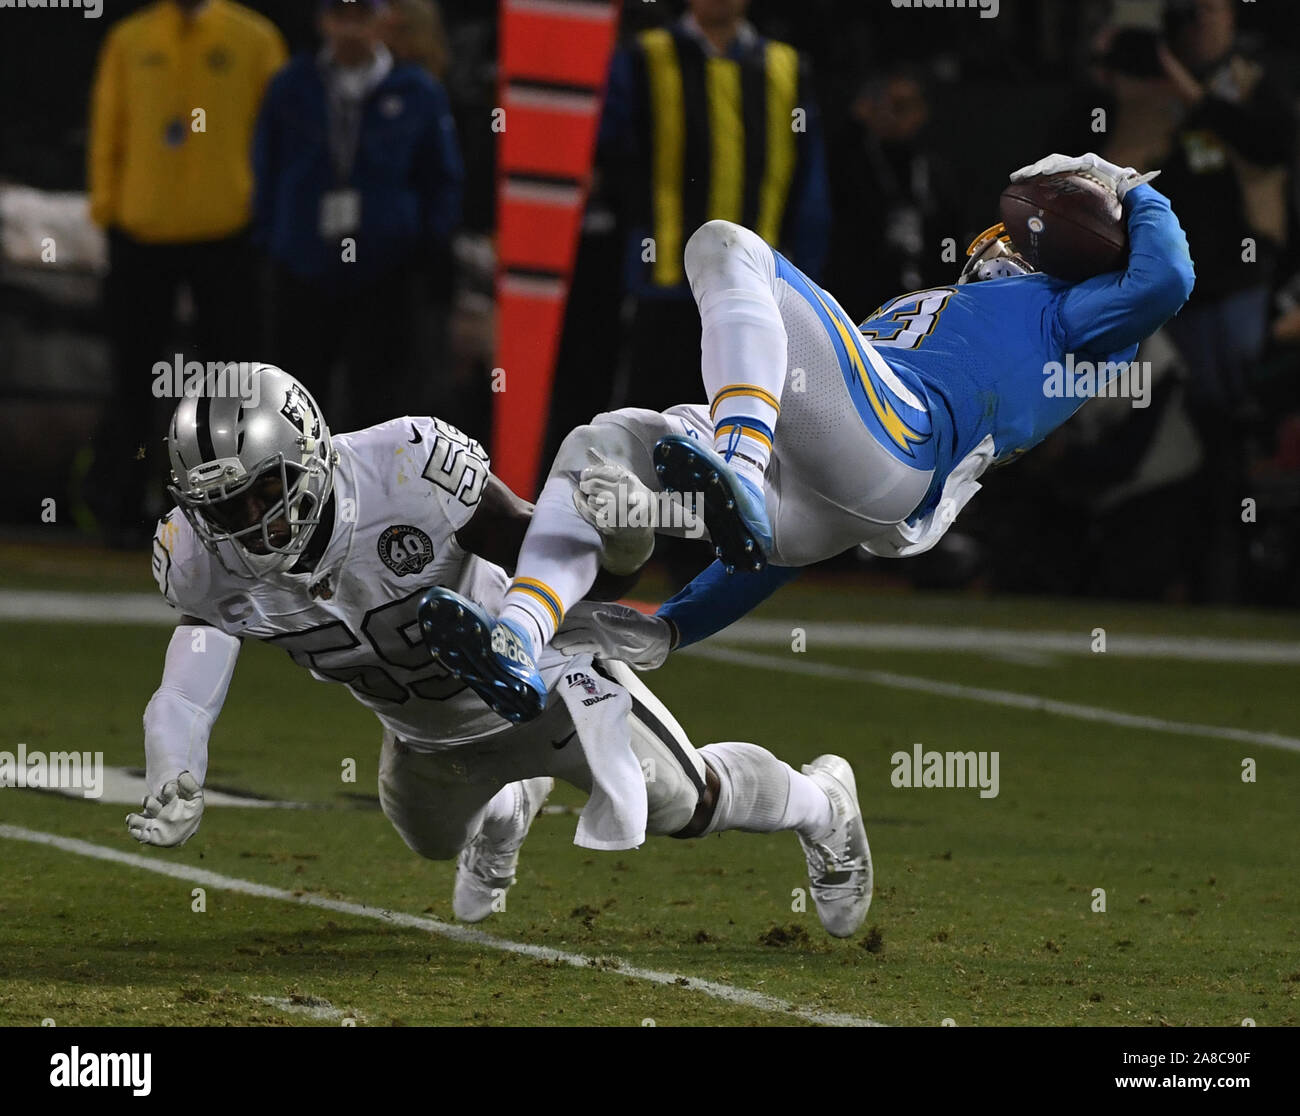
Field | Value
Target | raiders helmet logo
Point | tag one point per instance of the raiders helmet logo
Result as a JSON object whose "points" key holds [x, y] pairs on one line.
{"points": [[405, 549], [296, 409]]}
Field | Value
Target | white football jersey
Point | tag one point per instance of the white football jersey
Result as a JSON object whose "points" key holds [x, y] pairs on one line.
{"points": [[402, 490]]}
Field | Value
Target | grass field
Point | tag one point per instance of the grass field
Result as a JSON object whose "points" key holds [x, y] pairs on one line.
{"points": [[983, 912]]}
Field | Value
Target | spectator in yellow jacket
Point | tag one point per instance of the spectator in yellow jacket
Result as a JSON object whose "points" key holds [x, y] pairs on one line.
{"points": [[175, 99]]}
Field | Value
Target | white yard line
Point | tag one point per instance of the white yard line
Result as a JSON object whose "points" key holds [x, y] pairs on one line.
{"points": [[124, 786], [797, 664], [86, 608], [150, 609], [841, 634], [743, 997]]}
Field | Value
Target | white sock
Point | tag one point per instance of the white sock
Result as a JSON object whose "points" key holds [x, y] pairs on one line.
{"points": [[759, 793], [499, 814], [737, 455], [743, 342], [558, 563]]}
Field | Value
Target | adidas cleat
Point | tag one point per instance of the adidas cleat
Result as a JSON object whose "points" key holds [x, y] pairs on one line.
{"points": [[486, 869], [489, 656], [839, 866], [734, 509]]}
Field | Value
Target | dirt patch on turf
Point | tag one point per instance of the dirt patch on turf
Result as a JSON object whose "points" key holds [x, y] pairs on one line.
{"points": [[791, 935]]}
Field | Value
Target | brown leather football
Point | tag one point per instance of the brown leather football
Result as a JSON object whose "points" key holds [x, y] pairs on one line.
{"points": [[1067, 225]]}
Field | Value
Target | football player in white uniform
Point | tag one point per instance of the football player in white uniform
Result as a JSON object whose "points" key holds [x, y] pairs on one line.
{"points": [[324, 546]]}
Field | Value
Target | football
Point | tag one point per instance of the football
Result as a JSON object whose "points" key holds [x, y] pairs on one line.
{"points": [[1066, 225]]}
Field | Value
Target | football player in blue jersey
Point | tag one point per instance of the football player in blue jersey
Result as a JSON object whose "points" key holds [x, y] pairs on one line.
{"points": [[820, 435]]}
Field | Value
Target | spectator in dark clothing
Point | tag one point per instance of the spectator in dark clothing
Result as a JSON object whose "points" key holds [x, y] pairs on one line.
{"points": [[1222, 134], [413, 31], [1229, 157], [1226, 175], [893, 198], [358, 180], [704, 119]]}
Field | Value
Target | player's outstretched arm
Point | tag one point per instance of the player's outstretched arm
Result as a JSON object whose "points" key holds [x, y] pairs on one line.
{"points": [[708, 604], [177, 723], [714, 600], [1110, 313]]}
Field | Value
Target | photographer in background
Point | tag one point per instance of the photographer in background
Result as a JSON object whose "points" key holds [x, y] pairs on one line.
{"points": [[1227, 176], [1214, 121]]}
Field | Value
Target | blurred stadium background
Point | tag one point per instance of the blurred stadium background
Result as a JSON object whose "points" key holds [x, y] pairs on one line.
{"points": [[921, 115]]}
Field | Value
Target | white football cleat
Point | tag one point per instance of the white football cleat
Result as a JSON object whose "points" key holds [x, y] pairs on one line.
{"points": [[486, 869], [839, 866]]}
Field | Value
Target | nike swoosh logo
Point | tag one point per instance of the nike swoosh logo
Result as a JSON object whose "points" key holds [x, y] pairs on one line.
{"points": [[558, 744], [418, 436]]}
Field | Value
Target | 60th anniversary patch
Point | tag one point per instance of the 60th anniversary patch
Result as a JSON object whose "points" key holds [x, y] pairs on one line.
{"points": [[405, 549]]}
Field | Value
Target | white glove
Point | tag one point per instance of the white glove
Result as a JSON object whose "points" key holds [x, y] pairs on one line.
{"points": [[172, 817], [1119, 179], [614, 631], [607, 496]]}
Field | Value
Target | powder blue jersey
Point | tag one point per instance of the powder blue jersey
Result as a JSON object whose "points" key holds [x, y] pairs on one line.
{"points": [[980, 352], [977, 356]]}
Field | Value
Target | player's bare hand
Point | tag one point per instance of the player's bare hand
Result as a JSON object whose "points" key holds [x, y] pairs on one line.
{"points": [[614, 631], [612, 498], [172, 817], [1119, 179]]}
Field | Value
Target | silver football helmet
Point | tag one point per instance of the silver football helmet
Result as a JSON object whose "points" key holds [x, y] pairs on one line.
{"points": [[221, 446], [993, 256]]}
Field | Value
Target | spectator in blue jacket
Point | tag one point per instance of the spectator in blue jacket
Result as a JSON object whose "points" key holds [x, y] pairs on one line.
{"points": [[358, 185]]}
